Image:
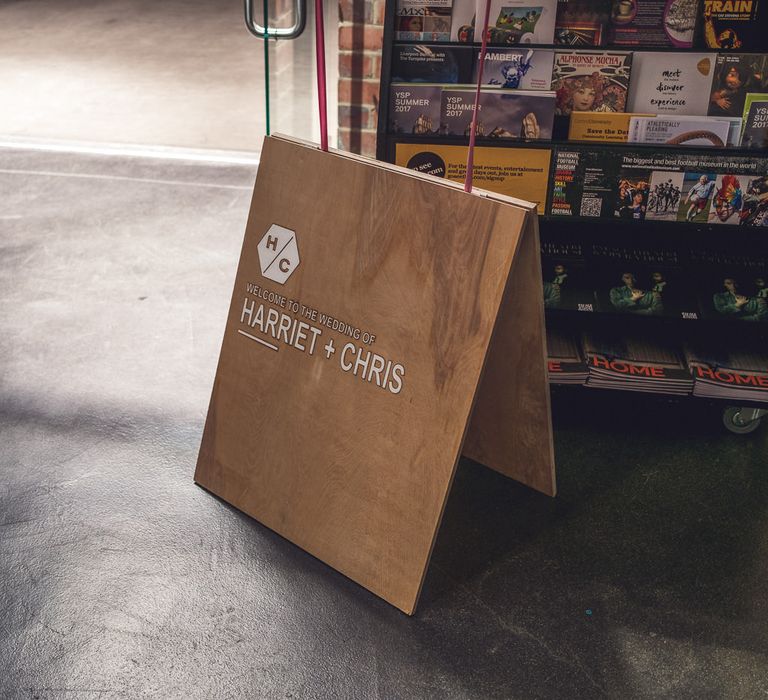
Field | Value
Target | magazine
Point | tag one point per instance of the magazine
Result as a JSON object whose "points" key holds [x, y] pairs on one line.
{"points": [[653, 23], [565, 361], [602, 127], [704, 132], [735, 76], [414, 108], [567, 283], [582, 23], [591, 81], [518, 21], [728, 370], [642, 281], [635, 362], [431, 63], [423, 20], [731, 286], [671, 84], [755, 130], [753, 97], [729, 25], [463, 21], [504, 114], [518, 68]]}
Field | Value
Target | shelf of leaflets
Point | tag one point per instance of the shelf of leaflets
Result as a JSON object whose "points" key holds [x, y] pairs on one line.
{"points": [[645, 149], [678, 189], [604, 95], [675, 24]]}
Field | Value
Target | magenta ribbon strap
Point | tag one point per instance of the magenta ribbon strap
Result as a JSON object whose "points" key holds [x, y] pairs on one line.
{"points": [[476, 109], [321, 86]]}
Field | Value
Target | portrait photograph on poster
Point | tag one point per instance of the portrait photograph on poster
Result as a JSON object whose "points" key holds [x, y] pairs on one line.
{"points": [[728, 199], [696, 196], [632, 194]]}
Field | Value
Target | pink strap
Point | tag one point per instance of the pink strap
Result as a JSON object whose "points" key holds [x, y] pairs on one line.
{"points": [[321, 87], [483, 49]]}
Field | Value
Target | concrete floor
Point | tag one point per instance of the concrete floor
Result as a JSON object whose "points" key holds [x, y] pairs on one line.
{"points": [[176, 73], [119, 578]]}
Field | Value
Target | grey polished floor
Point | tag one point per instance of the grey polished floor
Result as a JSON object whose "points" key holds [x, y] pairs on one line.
{"points": [[646, 577]]}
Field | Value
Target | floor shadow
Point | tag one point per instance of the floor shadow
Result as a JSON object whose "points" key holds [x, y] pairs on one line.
{"points": [[655, 501]]}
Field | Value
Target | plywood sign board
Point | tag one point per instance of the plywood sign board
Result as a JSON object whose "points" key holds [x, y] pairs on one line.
{"points": [[362, 315]]}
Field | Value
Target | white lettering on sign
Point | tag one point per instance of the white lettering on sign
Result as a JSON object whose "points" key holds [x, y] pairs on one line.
{"points": [[267, 295], [280, 326], [294, 328], [372, 367]]}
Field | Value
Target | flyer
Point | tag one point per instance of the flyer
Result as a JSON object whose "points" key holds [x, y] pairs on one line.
{"points": [[653, 23], [664, 86], [515, 172]]}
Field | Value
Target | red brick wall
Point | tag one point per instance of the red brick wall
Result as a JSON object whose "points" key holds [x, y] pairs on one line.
{"points": [[360, 34]]}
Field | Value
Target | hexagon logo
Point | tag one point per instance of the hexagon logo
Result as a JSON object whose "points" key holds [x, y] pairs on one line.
{"points": [[278, 253]]}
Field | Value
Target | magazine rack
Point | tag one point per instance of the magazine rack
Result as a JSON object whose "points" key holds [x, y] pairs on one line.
{"points": [[370, 341], [534, 167]]}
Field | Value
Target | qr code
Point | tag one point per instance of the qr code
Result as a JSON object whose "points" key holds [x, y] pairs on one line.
{"points": [[591, 206]]}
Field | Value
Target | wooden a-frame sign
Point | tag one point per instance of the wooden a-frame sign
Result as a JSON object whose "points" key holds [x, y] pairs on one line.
{"points": [[382, 323]]}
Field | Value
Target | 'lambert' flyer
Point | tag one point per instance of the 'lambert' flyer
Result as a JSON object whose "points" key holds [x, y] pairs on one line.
{"points": [[516, 68]]}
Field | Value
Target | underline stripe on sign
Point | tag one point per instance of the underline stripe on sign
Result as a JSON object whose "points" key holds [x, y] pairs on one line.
{"points": [[258, 340]]}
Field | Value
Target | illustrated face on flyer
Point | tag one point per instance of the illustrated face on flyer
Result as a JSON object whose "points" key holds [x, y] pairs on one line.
{"points": [[591, 82]]}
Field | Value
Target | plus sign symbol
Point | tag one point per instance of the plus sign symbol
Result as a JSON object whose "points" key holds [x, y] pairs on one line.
{"points": [[278, 253]]}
